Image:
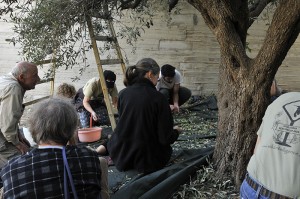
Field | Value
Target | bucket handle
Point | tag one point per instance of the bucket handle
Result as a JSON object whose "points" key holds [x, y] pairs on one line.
{"points": [[91, 121]]}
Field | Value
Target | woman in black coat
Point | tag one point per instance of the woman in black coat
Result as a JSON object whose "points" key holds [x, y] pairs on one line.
{"points": [[144, 133]]}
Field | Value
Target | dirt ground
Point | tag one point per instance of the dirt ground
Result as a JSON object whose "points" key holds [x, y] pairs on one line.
{"points": [[199, 120]]}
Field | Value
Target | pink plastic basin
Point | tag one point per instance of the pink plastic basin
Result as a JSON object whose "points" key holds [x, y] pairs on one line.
{"points": [[89, 134]]}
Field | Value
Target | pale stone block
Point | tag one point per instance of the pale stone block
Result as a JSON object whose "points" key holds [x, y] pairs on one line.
{"points": [[175, 45]]}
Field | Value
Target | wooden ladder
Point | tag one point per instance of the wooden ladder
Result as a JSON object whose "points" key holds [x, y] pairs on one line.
{"points": [[113, 39]]}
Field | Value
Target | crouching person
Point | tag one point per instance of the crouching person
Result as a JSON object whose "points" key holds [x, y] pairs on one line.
{"points": [[55, 169]]}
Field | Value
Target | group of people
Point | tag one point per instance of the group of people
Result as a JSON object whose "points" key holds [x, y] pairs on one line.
{"points": [[89, 100], [141, 141]]}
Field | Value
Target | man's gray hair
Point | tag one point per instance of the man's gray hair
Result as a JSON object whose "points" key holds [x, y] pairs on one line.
{"points": [[21, 68], [53, 120]]}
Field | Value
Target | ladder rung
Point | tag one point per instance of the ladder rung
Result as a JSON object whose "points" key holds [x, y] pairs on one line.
{"points": [[111, 61], [104, 38], [45, 80], [36, 100], [47, 61]]}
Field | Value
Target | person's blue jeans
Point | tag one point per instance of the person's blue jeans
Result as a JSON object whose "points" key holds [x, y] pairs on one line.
{"points": [[247, 192]]}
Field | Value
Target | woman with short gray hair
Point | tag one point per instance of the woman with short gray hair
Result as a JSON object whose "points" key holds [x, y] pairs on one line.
{"points": [[45, 171], [54, 121]]}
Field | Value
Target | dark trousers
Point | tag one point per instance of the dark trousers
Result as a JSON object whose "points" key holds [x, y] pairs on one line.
{"points": [[5, 155], [183, 94]]}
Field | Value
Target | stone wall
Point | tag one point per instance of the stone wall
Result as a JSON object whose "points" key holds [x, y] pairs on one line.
{"points": [[186, 43]]}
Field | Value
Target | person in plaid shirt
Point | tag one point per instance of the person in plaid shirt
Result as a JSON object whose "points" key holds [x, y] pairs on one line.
{"points": [[40, 172]]}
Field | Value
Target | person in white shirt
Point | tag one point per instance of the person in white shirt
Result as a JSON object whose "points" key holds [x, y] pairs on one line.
{"points": [[169, 85]]}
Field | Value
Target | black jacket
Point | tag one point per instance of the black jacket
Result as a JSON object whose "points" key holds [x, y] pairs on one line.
{"points": [[144, 133]]}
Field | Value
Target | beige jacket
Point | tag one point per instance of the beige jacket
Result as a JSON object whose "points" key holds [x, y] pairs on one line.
{"points": [[11, 109]]}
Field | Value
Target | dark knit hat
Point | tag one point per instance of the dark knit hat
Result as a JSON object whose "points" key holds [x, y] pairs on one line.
{"points": [[108, 74], [167, 70]]}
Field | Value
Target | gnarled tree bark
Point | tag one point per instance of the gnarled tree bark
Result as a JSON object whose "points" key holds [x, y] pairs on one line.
{"points": [[244, 83]]}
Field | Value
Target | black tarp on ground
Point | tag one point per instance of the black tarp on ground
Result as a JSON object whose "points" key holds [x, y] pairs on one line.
{"points": [[163, 183]]}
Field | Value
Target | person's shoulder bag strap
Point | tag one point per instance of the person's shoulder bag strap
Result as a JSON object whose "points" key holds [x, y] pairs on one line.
{"points": [[68, 176]]}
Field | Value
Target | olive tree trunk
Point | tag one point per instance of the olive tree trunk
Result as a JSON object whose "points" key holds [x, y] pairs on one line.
{"points": [[244, 83]]}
